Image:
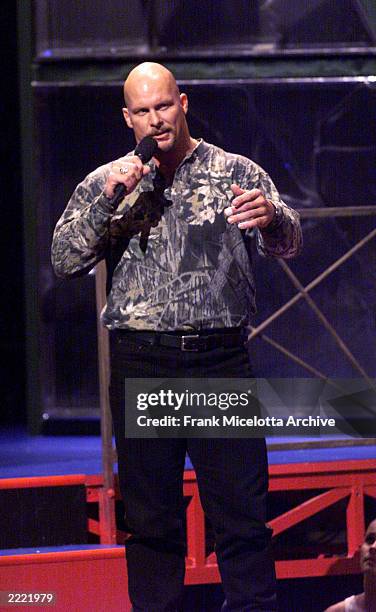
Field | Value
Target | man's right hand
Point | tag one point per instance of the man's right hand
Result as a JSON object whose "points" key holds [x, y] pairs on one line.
{"points": [[128, 171]]}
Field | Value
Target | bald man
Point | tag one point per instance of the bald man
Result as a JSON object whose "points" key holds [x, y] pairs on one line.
{"points": [[181, 295]]}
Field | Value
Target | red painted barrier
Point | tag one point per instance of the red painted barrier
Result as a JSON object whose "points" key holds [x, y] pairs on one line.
{"points": [[99, 576], [82, 581]]}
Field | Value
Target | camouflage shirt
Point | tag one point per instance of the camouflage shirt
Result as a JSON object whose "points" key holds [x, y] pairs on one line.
{"points": [[173, 260]]}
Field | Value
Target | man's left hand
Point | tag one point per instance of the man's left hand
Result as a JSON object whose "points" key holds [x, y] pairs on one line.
{"points": [[249, 209]]}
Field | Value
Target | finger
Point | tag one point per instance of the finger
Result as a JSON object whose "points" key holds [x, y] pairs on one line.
{"points": [[137, 173], [121, 168], [116, 176], [128, 161], [139, 169], [246, 215], [113, 180], [258, 206], [247, 196], [129, 171], [134, 159], [257, 222], [236, 190], [127, 176]]}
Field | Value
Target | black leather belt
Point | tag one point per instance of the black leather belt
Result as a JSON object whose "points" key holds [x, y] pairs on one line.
{"points": [[185, 341]]}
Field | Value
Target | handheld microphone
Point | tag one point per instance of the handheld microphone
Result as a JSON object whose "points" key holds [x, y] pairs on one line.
{"points": [[146, 148]]}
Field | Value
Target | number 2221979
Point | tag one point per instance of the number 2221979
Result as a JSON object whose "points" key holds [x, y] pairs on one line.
{"points": [[13, 598]]}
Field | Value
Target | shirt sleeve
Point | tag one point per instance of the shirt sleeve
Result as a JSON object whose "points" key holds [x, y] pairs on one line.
{"points": [[283, 236], [81, 234]]}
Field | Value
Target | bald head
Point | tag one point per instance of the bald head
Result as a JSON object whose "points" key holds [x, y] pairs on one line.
{"points": [[144, 76], [155, 107]]}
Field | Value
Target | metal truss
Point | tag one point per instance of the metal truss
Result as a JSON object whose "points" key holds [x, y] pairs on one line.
{"points": [[324, 484], [349, 480], [304, 293]]}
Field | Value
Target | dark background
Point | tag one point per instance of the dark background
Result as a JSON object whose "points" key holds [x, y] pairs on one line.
{"points": [[12, 312]]}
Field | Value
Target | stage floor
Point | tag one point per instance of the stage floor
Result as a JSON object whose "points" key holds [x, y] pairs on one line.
{"points": [[309, 475], [22, 455]]}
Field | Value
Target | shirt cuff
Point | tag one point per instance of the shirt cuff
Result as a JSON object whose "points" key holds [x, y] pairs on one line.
{"points": [[277, 220]]}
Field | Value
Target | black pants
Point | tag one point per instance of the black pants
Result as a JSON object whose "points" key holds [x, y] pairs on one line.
{"points": [[232, 480]]}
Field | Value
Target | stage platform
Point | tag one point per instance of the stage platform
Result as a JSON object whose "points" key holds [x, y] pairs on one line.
{"points": [[322, 492], [79, 578], [22, 455]]}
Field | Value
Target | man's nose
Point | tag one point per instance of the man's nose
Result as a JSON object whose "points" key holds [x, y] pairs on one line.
{"points": [[155, 119]]}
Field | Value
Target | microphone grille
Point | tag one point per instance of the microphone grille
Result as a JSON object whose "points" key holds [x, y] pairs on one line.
{"points": [[146, 148]]}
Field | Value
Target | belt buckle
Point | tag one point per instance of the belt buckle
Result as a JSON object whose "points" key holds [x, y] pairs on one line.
{"points": [[186, 343]]}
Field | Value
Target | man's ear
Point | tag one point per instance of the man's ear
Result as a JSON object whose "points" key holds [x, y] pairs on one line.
{"points": [[184, 102], [127, 117]]}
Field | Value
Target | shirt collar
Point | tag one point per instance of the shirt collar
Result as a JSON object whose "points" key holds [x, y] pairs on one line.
{"points": [[198, 152]]}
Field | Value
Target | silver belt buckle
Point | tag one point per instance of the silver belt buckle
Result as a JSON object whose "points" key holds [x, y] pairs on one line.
{"points": [[185, 340]]}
